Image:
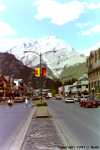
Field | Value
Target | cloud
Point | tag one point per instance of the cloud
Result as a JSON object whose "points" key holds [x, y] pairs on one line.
{"points": [[92, 30], [93, 6], [59, 13], [2, 7], [83, 25], [6, 29]]}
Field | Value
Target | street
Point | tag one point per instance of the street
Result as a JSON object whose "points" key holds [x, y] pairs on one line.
{"points": [[12, 119], [80, 126]]}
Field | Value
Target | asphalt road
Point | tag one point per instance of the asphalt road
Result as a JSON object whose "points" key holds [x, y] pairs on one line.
{"points": [[80, 127], [11, 120]]}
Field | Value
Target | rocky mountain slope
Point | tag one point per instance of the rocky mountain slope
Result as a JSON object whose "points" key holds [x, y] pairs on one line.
{"points": [[9, 65], [74, 71]]}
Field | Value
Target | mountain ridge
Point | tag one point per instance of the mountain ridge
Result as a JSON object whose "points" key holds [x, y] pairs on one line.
{"points": [[65, 55]]}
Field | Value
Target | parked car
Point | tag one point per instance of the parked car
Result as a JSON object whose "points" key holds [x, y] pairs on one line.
{"points": [[58, 97], [19, 99], [98, 102], [49, 95], [89, 102], [35, 97], [69, 100]]}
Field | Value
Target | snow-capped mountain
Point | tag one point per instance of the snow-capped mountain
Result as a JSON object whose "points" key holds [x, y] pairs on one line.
{"points": [[55, 53]]}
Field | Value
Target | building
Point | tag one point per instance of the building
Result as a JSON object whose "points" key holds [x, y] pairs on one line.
{"points": [[93, 63], [20, 88], [10, 87], [79, 87], [5, 85], [83, 84]]}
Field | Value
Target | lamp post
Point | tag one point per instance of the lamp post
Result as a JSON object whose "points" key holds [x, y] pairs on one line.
{"points": [[40, 58]]}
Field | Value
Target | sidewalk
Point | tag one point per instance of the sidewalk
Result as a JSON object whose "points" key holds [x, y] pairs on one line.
{"points": [[42, 135]]}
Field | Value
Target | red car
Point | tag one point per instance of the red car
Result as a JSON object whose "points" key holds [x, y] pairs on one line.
{"points": [[98, 102], [89, 103]]}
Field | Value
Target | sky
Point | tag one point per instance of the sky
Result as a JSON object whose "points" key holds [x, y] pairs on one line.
{"points": [[76, 22]]}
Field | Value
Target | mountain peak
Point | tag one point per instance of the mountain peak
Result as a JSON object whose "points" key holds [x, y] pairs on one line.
{"points": [[65, 54]]}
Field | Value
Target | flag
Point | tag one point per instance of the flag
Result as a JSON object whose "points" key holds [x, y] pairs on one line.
{"points": [[37, 72], [44, 72]]}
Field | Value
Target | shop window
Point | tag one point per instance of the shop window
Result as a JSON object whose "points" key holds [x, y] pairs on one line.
{"points": [[86, 86]]}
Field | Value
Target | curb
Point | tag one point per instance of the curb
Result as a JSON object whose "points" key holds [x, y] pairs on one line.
{"points": [[19, 138]]}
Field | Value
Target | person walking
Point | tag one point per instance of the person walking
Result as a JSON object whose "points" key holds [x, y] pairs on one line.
{"points": [[26, 101]]}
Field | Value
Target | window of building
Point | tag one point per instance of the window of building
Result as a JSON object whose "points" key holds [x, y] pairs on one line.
{"points": [[86, 86]]}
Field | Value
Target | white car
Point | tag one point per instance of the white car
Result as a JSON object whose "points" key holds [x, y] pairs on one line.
{"points": [[69, 100], [50, 95]]}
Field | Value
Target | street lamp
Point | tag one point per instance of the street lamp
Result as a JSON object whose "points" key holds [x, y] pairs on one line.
{"points": [[40, 58]]}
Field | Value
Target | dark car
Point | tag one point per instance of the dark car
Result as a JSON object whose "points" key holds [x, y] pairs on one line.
{"points": [[98, 102]]}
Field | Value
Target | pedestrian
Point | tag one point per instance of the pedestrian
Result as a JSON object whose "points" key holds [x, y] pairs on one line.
{"points": [[10, 100], [26, 100], [10, 103]]}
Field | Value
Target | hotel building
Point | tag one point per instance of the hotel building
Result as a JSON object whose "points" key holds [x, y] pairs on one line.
{"points": [[93, 63]]}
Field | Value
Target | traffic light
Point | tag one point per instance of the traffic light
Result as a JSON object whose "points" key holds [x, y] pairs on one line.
{"points": [[44, 72], [37, 72]]}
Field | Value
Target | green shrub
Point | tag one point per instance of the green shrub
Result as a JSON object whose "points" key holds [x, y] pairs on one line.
{"points": [[98, 96], [29, 94]]}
